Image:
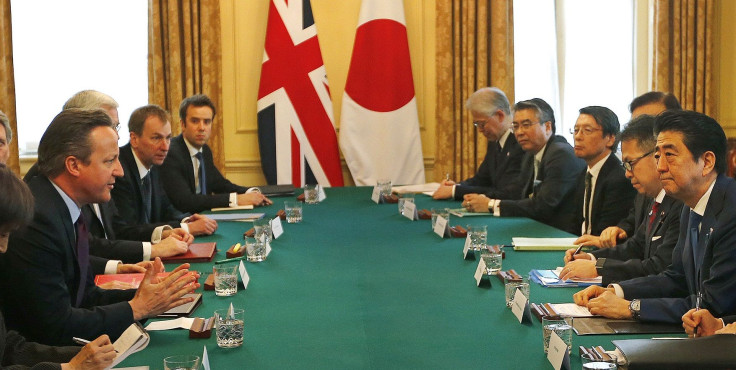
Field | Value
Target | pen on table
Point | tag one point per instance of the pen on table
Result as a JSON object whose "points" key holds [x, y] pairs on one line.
{"points": [[83, 342], [229, 260]]}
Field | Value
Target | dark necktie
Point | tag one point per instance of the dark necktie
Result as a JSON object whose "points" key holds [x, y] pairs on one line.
{"points": [[146, 188], [588, 191], [82, 256], [202, 176], [652, 216], [693, 230]]}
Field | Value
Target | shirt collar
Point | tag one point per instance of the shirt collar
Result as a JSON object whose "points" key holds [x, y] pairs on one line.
{"points": [[74, 209], [596, 169], [142, 170], [502, 139], [192, 150], [540, 153], [703, 202], [660, 197]]}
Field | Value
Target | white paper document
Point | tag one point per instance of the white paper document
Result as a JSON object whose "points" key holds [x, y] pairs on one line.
{"points": [[133, 339], [419, 188], [220, 209], [542, 244], [179, 323], [571, 309]]}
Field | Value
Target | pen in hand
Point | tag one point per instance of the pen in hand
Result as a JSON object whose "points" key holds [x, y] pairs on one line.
{"points": [[698, 302], [83, 342]]}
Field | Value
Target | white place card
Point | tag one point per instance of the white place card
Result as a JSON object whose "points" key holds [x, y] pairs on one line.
{"points": [[276, 227], [466, 249], [244, 275], [205, 359], [557, 353], [376, 196], [520, 306], [440, 226], [480, 271], [410, 211], [321, 193]]}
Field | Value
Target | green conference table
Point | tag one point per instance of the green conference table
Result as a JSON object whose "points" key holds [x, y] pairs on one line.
{"points": [[355, 285]]}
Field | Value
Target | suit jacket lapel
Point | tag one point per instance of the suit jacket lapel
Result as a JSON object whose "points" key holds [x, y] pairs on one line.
{"points": [[184, 151]]}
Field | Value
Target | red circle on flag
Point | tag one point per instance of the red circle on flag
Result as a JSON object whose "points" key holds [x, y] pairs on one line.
{"points": [[380, 76]]}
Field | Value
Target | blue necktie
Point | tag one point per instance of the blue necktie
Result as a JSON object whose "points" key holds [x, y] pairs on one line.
{"points": [[82, 256], [693, 230], [146, 187], [202, 176]]}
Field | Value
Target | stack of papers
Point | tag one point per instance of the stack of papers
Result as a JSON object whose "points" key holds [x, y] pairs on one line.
{"points": [[133, 339], [462, 212], [551, 279], [427, 189], [236, 216], [543, 244]]}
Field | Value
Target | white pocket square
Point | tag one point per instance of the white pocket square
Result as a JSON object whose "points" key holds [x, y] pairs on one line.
{"points": [[655, 238]]}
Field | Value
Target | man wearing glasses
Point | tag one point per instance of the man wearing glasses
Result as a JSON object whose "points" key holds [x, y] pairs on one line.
{"points": [[649, 250], [549, 171], [498, 174], [603, 195]]}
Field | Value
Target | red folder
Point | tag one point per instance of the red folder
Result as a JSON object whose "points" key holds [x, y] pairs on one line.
{"points": [[198, 252], [134, 279]]}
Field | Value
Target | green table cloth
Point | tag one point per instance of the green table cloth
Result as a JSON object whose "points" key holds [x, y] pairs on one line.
{"points": [[356, 285]]}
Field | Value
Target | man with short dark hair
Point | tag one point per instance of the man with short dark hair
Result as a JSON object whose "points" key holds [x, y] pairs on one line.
{"points": [[498, 174], [657, 215], [139, 196], [189, 175], [48, 291], [549, 171], [603, 194], [653, 103], [690, 154]]}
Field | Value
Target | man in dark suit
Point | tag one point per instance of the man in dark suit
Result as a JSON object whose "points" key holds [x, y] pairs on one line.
{"points": [[649, 249], [603, 196], [189, 162], [100, 216], [549, 171], [690, 153], [498, 174], [48, 290], [139, 196], [651, 103], [16, 210]]}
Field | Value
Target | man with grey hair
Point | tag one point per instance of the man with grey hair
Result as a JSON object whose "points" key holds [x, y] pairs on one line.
{"points": [[498, 174], [93, 99], [6, 136]]}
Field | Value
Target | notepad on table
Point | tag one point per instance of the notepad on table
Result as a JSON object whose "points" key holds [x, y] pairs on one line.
{"points": [[542, 244], [236, 216], [197, 252], [418, 188]]}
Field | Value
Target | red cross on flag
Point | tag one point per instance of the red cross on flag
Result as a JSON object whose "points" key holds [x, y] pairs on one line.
{"points": [[296, 131], [379, 126]]}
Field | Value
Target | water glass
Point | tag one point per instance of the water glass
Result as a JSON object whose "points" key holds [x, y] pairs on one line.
{"points": [[226, 279], [183, 362], [478, 236], [493, 261], [255, 250], [594, 363], [560, 325], [293, 211], [263, 229], [511, 285], [310, 194], [436, 212], [405, 198], [384, 187], [229, 329]]}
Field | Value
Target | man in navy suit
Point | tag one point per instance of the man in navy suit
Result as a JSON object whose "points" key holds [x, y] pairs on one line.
{"points": [[649, 249], [189, 175], [603, 195], [549, 171], [48, 289], [139, 196], [691, 160], [498, 174]]}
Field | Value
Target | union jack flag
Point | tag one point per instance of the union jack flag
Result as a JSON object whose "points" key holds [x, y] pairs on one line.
{"points": [[296, 131]]}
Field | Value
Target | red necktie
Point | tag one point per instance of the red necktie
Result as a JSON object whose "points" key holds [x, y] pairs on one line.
{"points": [[653, 215]]}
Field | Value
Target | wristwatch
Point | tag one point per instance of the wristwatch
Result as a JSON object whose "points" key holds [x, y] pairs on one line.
{"points": [[599, 266], [635, 308]]}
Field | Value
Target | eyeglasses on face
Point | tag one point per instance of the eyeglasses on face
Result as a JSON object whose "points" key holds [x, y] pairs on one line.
{"points": [[515, 126], [586, 130], [629, 165]]}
